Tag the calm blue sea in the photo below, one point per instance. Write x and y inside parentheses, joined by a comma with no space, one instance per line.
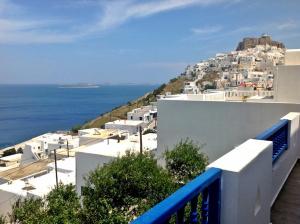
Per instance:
(30,110)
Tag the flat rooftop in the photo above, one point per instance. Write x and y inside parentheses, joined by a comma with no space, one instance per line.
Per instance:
(126,122)
(113,148)
(98,133)
(26,170)
(11,158)
(38,186)
(65,165)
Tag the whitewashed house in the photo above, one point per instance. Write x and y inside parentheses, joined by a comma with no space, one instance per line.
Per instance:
(36,185)
(131,126)
(90,157)
(145,114)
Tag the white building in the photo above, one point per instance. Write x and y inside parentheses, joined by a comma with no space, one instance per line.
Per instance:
(46,143)
(207,95)
(131,126)
(32,151)
(9,162)
(191,87)
(37,185)
(53,141)
(90,157)
(145,114)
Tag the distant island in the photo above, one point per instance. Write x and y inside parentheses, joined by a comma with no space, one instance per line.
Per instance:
(80,85)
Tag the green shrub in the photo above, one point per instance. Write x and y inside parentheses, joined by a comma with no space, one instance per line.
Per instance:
(128,186)
(9,152)
(76,128)
(185,161)
(149,131)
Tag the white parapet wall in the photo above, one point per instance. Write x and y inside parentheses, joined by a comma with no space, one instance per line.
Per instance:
(251,181)
(246,183)
(220,126)
(286,162)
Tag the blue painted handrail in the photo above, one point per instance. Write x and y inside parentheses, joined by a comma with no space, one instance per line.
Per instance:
(278,134)
(206,184)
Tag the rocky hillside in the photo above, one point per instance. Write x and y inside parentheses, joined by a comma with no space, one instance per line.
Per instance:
(174,86)
(251,42)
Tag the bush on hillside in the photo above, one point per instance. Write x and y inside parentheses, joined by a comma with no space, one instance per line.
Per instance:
(76,128)
(9,152)
(185,161)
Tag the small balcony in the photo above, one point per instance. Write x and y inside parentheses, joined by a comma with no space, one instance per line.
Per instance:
(256,182)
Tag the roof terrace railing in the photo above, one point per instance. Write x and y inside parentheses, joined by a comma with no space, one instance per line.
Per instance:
(206,185)
(278,134)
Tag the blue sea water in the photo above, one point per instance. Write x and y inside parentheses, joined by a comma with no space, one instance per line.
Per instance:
(30,110)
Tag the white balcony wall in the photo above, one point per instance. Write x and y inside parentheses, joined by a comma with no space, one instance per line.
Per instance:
(246,183)
(250,182)
(221,126)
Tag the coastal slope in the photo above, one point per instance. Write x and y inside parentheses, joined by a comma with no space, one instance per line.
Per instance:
(174,86)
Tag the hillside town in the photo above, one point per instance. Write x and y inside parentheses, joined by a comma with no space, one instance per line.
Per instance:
(227,91)
(250,67)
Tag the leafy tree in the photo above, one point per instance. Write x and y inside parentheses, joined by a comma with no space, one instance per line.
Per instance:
(61,205)
(185,161)
(28,211)
(126,187)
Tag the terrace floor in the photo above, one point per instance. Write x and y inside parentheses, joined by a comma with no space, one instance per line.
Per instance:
(286,208)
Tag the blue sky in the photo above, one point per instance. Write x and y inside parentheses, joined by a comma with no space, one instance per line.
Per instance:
(129,41)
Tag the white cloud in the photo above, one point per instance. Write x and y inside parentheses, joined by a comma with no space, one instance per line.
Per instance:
(291,24)
(16,27)
(118,12)
(206,30)
(34,31)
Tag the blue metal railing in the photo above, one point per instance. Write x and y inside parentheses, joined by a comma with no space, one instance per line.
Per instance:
(278,134)
(207,185)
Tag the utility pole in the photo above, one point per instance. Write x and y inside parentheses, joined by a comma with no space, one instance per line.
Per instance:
(55,162)
(68,148)
(141,140)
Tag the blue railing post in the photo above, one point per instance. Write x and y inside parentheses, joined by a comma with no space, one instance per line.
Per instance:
(204,207)
(207,185)
(278,134)
(180,216)
(194,212)
(214,202)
